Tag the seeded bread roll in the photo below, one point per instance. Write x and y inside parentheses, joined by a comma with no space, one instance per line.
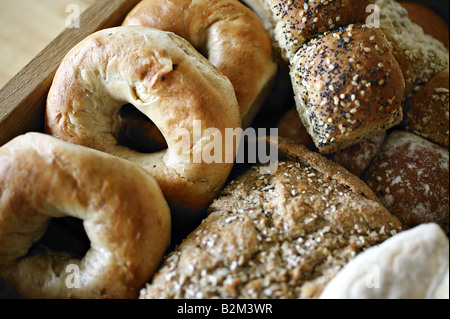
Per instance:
(427,110)
(348,87)
(295,22)
(326,45)
(283,235)
(410,175)
(355,159)
(292,128)
(411,265)
(420,55)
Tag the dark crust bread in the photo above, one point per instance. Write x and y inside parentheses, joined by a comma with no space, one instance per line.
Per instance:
(410,175)
(283,235)
(428,110)
(431,23)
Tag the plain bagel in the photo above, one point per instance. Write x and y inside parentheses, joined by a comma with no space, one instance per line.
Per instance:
(165,78)
(123,210)
(228,33)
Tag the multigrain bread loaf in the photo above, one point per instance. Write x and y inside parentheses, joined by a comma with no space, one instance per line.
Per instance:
(427,112)
(411,265)
(347,84)
(420,55)
(284,235)
(355,159)
(410,175)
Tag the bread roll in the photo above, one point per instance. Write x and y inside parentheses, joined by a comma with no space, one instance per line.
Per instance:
(410,175)
(347,84)
(283,235)
(428,109)
(420,55)
(411,265)
(431,23)
(348,87)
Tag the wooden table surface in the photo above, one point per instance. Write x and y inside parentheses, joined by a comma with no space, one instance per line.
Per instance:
(28,26)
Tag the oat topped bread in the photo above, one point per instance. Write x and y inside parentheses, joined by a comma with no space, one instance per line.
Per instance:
(284,235)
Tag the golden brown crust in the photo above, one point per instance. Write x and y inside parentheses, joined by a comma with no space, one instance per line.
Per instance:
(164,77)
(283,235)
(412,265)
(123,210)
(431,23)
(348,87)
(410,175)
(428,110)
(228,33)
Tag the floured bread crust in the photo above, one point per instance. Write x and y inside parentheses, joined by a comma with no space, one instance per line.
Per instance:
(410,175)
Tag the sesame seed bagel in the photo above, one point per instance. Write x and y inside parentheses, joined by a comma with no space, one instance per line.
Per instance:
(123,210)
(348,87)
(166,79)
(228,33)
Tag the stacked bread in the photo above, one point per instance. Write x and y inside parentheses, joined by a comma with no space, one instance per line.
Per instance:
(371,102)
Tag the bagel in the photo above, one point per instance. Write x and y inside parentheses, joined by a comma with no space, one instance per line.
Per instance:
(228,33)
(123,210)
(165,78)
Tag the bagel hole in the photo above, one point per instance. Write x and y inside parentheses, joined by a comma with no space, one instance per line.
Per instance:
(66,235)
(138,132)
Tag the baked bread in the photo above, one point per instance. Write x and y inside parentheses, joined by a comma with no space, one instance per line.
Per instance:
(411,265)
(355,159)
(291,127)
(138,132)
(410,175)
(348,87)
(283,235)
(293,23)
(427,110)
(165,78)
(347,84)
(431,23)
(228,33)
(123,210)
(420,55)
